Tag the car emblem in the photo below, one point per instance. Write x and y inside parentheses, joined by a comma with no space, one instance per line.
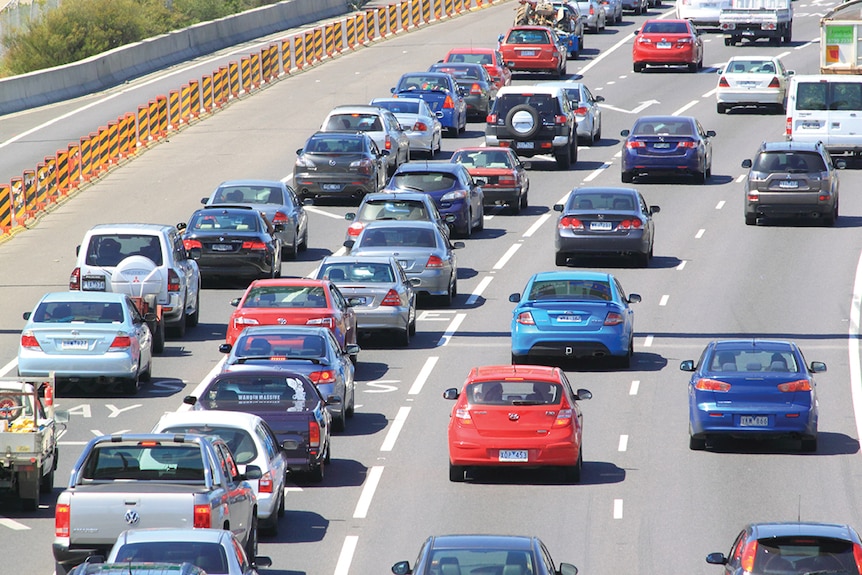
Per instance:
(332,162)
(221,238)
(787,176)
(600,216)
(281,321)
(514,417)
(132,517)
(75,332)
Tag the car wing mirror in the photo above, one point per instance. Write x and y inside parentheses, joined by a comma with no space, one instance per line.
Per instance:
(710,133)
(204,201)
(583,394)
(451,393)
(234,302)
(26,314)
(350,216)
(716,559)
(558,207)
(225,348)
(402,568)
(746,163)
(840,164)
(687,365)
(181,226)
(352,349)
(458,245)
(515,297)
(598,98)
(625,133)
(449,218)
(414,281)
(817,367)
(568,569)
(261,561)
(634,298)
(190,400)
(252,472)
(334,400)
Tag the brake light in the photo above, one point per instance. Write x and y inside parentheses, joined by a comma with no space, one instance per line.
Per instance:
(613,318)
(325,376)
(189,244)
(121,341)
(61,520)
(564,418)
(644,40)
(723,83)
(241,320)
(391,298)
(506,181)
(448,103)
(686,144)
(463,416)
(592,10)
(788,126)
(798,385)
(684,40)
(748,555)
(707,384)
(355,229)
(202,517)
(29,341)
(857,556)
(253,246)
(581,111)
(313,434)
(525,318)
(491,119)
(420,127)
(753,196)
(635,144)
(264,484)
(475,89)
(570,222)
(774,83)
(324,321)
(434,262)
(634,224)
(364,166)
(560,120)
(279,218)
(173,281)
(75,279)
(388,144)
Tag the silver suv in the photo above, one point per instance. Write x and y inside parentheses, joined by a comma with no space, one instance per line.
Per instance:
(790,180)
(106,245)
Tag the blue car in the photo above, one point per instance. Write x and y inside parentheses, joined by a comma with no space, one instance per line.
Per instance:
(451,186)
(572,315)
(752,388)
(675,145)
(442,94)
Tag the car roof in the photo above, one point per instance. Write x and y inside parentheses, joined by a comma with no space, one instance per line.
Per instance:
(572,275)
(664,119)
(424,224)
(223,418)
(779,529)
(277,282)
(605,190)
(427,73)
(456,65)
(510,542)
(535,89)
(356,109)
(486,372)
(156,228)
(85,296)
(251,182)
(754,57)
(181,534)
(526,27)
(481,149)
(398,195)
(429,166)
(752,342)
(347,133)
(356,259)
(566,84)
(471,50)
(790,145)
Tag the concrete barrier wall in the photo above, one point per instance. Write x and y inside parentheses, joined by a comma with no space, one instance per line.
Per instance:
(121,64)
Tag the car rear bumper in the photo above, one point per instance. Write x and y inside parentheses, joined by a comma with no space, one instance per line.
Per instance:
(245,266)
(664,57)
(381,318)
(487,453)
(109,366)
(431,282)
(717,421)
(751,97)
(687,163)
(634,242)
(499,195)
(608,341)
(789,210)
(334,187)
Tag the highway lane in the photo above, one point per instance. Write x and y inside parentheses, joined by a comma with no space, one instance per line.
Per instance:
(712,277)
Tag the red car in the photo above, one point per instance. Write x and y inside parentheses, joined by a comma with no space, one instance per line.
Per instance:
(294,301)
(490,58)
(533,49)
(505,176)
(667,43)
(516,416)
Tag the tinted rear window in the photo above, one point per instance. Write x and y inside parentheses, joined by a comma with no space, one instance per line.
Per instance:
(392,210)
(543,103)
(145,461)
(790,161)
(79,312)
(391,237)
(248,195)
(601,201)
(665,28)
(235,221)
(239,440)
(286,297)
(110,249)
(514,393)
(264,393)
(358,272)
(402,106)
(334,145)
(425,181)
(786,555)
(571,290)
(663,128)
(208,556)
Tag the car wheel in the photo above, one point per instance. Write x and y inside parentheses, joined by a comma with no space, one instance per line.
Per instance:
(829,220)
(129,386)
(750,219)
(564,157)
(403,337)
(46,483)
(480,226)
(467,232)
(339,423)
(809,444)
(637,67)
(281,505)
(30,503)
(561,259)
(721,108)
(316,475)
(193,318)
(251,543)
(728,42)
(159,337)
(581,43)
(597,137)
(573,149)
(525,200)
(780,109)
(625,361)
(270,526)
(700,177)
(447,297)
(289,252)
(573,472)
(457,473)
(412,327)
(515,206)
(696,443)
(178,330)
(627,177)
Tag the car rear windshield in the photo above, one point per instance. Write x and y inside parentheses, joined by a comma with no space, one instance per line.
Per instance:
(483,159)
(355,122)
(392,210)
(748,360)
(423,83)
(470,58)
(358,273)
(543,103)
(829,96)
(570,290)
(601,201)
(226,221)
(425,181)
(663,128)
(145,461)
(210,557)
(528,37)
(107,250)
(248,195)
(522,392)
(750,67)
(402,237)
(261,393)
(281,346)
(460,72)
(286,297)
(402,106)
(79,312)
(665,28)
(804,554)
(790,161)
(239,440)
(485,560)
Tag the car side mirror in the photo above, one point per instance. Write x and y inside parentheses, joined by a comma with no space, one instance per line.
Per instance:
(26,314)
(352,349)
(654,210)
(746,163)
(515,297)
(414,281)
(458,245)
(634,298)
(62,416)
(480,181)
(625,133)
(710,133)
(190,400)
(278,228)
(234,302)
(687,365)
(840,164)
(349,244)
(449,218)
(817,367)
(583,394)
(299,152)
(334,400)
(77,250)
(391,90)
(150,316)
(308,202)
(355,301)
(261,561)
(568,569)
(204,201)
(181,226)
(252,472)
(716,559)
(402,568)
(225,348)
(598,98)
(349,216)
(558,207)
(451,393)
(791,72)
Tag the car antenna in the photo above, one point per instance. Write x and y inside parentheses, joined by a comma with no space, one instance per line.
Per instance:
(799,510)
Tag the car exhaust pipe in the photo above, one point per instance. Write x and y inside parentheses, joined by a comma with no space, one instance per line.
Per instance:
(599,354)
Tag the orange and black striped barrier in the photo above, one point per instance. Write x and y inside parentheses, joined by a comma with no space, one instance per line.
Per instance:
(318,44)
(161,115)
(63,182)
(143,122)
(286,55)
(5,208)
(128,135)
(266,65)
(207,93)
(113,142)
(41,199)
(350,24)
(195,98)
(29,208)
(392,26)
(174,109)
(245,72)
(75,165)
(104,157)
(53,187)
(233,78)
(19,201)
(86,158)
(308,47)
(255,70)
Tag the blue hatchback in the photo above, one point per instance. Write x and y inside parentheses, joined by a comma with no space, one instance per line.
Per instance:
(675,145)
(573,314)
(752,388)
(442,94)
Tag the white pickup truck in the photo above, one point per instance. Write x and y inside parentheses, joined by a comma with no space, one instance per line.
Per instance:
(753,19)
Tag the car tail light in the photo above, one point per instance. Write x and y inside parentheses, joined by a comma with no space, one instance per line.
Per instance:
(475,89)
(506,181)
(75,279)
(264,484)
(324,321)
(633,224)
(305,163)
(525,318)
(753,196)
(420,127)
(644,40)
(202,517)
(613,318)
(635,144)
(798,385)
(323,376)
(723,83)
(564,418)
(491,118)
(788,126)
(253,246)
(121,341)
(592,10)
(463,416)
(748,555)
(686,144)
(392,298)
(355,229)
(388,143)
(684,40)
(570,222)
(857,556)
(706,384)
(61,520)
(313,434)
(363,166)
(242,320)
(189,244)
(581,111)
(434,262)
(560,120)
(448,103)
(279,218)
(173,281)
(774,83)
(28,340)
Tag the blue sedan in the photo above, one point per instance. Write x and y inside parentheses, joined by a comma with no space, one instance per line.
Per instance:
(675,145)
(442,94)
(752,388)
(573,314)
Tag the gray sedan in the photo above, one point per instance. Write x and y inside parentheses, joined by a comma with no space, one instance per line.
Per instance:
(420,248)
(277,201)
(378,290)
(418,121)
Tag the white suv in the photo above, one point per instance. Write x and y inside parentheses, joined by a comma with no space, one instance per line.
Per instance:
(106,245)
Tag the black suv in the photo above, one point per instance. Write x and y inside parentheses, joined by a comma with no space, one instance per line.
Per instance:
(534,120)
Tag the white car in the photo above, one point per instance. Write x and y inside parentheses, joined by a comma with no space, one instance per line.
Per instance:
(752,81)
(379,123)
(418,121)
(704,13)
(585,106)
(252,442)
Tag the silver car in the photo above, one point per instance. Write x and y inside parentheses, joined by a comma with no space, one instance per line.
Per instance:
(378,290)
(594,14)
(613,10)
(379,123)
(586,107)
(277,201)
(418,121)
(97,337)
(423,251)
(216,551)
(396,206)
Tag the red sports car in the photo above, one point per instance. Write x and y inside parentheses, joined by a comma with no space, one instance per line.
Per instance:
(294,301)
(504,174)
(533,49)
(490,58)
(667,43)
(516,415)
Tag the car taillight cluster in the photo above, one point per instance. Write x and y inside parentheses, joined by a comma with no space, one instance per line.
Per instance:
(632,224)
(581,111)
(323,376)
(686,144)
(264,484)
(363,166)
(706,384)
(189,244)
(355,229)
(314,435)
(475,89)
(391,298)
(613,318)
(748,555)
(560,120)
(857,557)
(434,262)
(241,320)
(798,385)
(121,342)
(61,520)
(75,279)
(570,222)
(506,181)
(592,10)
(491,118)
(420,127)
(388,143)
(253,245)
(723,83)
(324,321)
(173,281)
(202,517)
(279,218)
(564,417)
(644,40)
(525,318)
(774,83)
(28,340)
(448,103)
(635,144)
(463,416)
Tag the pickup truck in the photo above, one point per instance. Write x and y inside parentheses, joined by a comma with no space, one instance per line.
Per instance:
(151,480)
(28,437)
(753,19)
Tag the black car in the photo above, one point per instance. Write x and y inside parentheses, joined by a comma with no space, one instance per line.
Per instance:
(792,548)
(501,554)
(234,242)
(478,88)
(339,165)
(289,403)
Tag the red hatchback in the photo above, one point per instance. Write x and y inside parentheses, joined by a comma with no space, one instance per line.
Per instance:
(516,416)
(294,301)
(667,43)
(533,49)
(490,58)
(504,174)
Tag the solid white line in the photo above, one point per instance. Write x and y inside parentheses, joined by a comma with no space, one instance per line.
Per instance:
(450,331)
(719,205)
(686,107)
(663,300)
(479,289)
(699,234)
(681,265)
(345,558)
(648,341)
(426,370)
(542,219)
(618,508)
(633,390)
(367,494)
(392,434)
(197,391)
(624,442)
(323,213)
(12,524)
(597,171)
(506,257)
(8,367)
(853,348)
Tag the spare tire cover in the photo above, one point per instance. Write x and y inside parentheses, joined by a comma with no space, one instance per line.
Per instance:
(136,276)
(523,122)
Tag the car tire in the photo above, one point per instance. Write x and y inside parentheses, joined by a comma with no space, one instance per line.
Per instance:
(696,443)
(750,219)
(159,337)
(178,330)
(700,177)
(403,337)
(572,473)
(581,43)
(193,318)
(317,474)
(525,200)
(303,245)
(809,444)
(564,157)
(561,259)
(340,423)
(637,67)
(480,226)
(129,386)
(721,108)
(251,542)
(60,569)
(534,114)
(457,473)
(446,299)
(46,483)
(597,137)
(467,232)
(625,361)
(412,327)
(270,526)
(692,67)
(728,41)
(627,177)
(30,503)
(780,109)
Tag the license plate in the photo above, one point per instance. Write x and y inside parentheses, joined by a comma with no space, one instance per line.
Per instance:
(74,344)
(332,187)
(811,125)
(661,146)
(753,420)
(96,283)
(513,455)
(527,52)
(601,226)
(746,84)
(524,145)
(358,300)
(222,247)
(663,45)
(568,318)
(788,184)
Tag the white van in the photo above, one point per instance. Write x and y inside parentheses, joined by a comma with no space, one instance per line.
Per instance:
(703,13)
(826,108)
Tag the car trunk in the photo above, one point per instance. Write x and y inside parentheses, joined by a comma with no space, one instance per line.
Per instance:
(75,340)
(569,317)
(495,421)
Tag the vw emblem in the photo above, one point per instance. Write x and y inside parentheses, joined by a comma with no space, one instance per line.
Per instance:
(281,321)
(514,417)
(332,162)
(132,517)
